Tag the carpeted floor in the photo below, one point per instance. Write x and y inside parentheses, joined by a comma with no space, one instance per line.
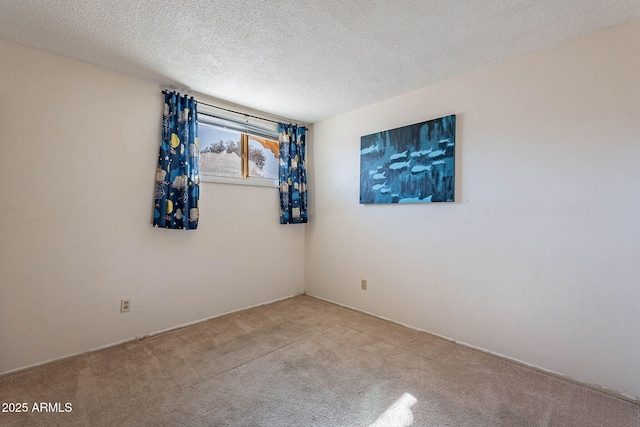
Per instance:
(302,362)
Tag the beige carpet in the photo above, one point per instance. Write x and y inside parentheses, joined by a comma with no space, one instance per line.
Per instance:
(302,362)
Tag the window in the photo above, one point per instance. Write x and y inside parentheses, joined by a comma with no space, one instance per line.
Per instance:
(231,153)
(263,157)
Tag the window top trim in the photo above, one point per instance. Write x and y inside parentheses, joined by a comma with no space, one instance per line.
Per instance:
(237,125)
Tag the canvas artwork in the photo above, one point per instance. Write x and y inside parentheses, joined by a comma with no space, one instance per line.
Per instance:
(410,164)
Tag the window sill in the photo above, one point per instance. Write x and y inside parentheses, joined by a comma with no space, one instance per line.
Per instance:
(255,182)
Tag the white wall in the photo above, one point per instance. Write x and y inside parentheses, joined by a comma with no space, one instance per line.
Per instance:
(538,258)
(78,151)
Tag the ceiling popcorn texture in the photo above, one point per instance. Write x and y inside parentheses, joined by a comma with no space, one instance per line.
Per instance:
(302,59)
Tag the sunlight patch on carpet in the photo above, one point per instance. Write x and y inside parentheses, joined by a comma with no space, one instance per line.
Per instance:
(398,414)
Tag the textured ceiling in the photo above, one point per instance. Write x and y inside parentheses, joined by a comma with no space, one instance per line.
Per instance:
(301,59)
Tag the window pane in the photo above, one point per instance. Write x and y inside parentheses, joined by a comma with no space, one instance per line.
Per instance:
(263,158)
(220,152)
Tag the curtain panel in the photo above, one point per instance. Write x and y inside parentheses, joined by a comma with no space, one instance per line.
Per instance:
(293,174)
(176,204)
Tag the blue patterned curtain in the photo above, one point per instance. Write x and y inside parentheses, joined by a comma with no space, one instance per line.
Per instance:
(177,177)
(293,174)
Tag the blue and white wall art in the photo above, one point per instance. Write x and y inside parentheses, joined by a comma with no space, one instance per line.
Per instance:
(410,164)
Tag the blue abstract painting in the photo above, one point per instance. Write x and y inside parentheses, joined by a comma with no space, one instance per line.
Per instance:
(410,164)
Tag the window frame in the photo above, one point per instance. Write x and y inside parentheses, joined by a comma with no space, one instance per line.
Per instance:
(244,131)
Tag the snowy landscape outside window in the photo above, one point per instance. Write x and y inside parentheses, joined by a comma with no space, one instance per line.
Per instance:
(230,156)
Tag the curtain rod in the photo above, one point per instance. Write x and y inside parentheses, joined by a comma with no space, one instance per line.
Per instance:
(235,112)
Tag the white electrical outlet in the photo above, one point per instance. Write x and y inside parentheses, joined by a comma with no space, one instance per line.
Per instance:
(125,306)
(363,284)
